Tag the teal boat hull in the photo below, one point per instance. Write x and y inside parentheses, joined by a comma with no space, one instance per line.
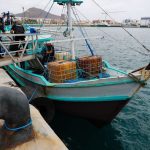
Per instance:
(97,101)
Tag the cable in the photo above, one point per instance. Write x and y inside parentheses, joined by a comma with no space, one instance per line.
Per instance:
(40,14)
(29,123)
(97,29)
(82,32)
(122,27)
(59,26)
(145,54)
(47,14)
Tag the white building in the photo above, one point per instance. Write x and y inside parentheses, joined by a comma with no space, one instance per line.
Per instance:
(145,22)
(131,23)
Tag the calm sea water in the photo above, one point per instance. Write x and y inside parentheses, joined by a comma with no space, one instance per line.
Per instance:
(130,130)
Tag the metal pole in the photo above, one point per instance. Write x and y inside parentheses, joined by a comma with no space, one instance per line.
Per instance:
(70,29)
(23,14)
(24,49)
(7,51)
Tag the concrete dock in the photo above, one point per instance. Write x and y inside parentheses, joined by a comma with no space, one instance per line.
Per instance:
(45,138)
(6,80)
(7,60)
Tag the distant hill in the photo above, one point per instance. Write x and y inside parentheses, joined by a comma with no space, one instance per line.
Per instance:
(37,13)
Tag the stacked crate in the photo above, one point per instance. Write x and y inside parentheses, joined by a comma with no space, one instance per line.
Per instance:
(61,71)
(63,55)
(90,66)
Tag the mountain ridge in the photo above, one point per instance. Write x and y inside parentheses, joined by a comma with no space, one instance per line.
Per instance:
(37,13)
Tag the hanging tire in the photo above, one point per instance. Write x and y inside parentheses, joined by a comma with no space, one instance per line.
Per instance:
(46,107)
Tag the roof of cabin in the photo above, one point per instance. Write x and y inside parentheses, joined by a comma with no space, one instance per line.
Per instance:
(73,2)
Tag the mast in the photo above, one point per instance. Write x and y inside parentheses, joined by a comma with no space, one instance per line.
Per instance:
(69,4)
(70,28)
(23,15)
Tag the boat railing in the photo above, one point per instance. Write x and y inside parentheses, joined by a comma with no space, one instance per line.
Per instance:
(8,56)
(30,43)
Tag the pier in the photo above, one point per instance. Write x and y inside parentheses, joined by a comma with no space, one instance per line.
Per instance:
(45,137)
(7,60)
(6,80)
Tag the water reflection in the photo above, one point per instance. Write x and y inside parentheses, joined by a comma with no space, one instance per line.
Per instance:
(79,134)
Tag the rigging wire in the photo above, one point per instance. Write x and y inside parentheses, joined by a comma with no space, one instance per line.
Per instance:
(59,25)
(122,27)
(83,33)
(42,11)
(88,44)
(145,54)
(37,4)
(97,29)
(46,15)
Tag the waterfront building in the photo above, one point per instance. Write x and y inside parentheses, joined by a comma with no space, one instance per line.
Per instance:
(131,23)
(145,22)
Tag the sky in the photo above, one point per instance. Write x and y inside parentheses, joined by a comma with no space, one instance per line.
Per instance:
(117,9)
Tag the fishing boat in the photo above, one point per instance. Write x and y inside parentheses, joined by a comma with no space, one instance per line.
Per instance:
(8,19)
(97,97)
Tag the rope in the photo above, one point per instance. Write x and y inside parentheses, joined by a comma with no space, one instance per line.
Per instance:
(142,83)
(145,54)
(29,123)
(40,14)
(30,99)
(88,45)
(136,40)
(47,14)
(59,26)
(122,27)
(96,28)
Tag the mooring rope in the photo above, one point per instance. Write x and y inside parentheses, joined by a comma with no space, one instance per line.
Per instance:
(29,123)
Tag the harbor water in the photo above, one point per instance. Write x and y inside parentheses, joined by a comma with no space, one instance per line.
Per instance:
(130,130)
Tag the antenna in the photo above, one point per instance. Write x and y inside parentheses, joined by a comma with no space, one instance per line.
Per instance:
(111,13)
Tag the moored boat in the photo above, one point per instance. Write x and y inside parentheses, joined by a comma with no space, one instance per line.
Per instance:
(98,100)
(93,90)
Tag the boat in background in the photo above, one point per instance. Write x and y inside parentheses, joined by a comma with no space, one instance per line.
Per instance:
(8,19)
(87,87)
